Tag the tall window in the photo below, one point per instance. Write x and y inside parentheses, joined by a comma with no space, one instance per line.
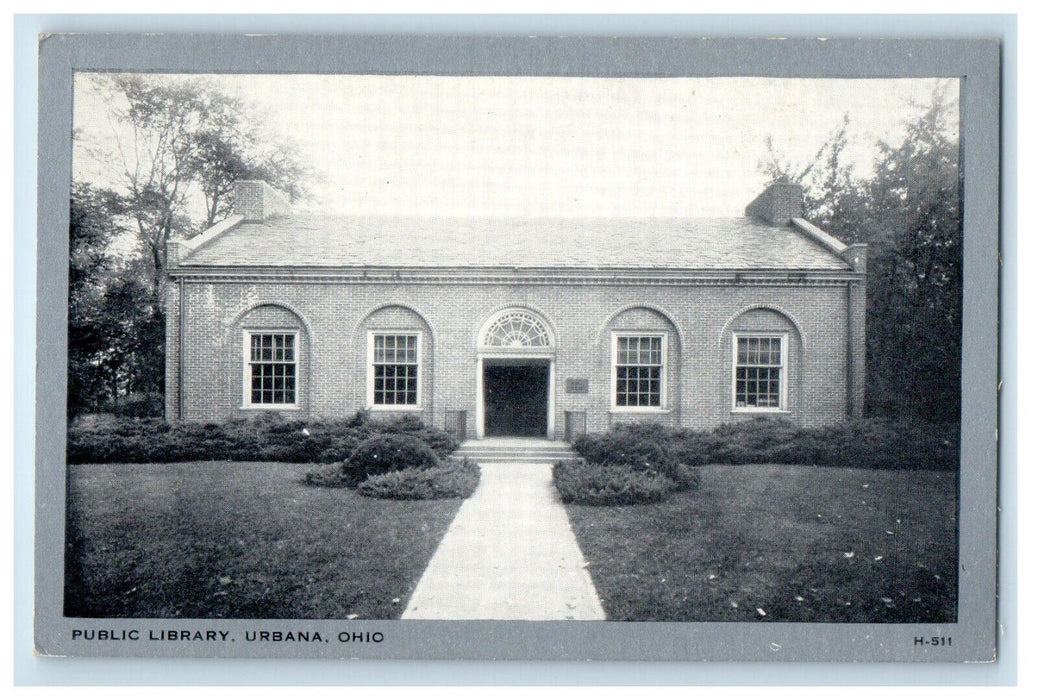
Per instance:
(638,363)
(395,361)
(760,369)
(270,371)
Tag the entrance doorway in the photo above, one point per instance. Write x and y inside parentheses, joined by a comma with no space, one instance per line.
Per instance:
(515,397)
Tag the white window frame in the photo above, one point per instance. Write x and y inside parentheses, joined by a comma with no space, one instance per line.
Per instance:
(246,383)
(370,372)
(664,337)
(783,406)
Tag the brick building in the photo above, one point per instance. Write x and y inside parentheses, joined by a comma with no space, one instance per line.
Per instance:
(512,326)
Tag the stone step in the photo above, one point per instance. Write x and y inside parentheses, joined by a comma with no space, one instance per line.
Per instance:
(560,455)
(516,450)
(526,454)
(517,455)
(509,451)
(496,459)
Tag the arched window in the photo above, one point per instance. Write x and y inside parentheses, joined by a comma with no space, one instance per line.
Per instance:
(644,360)
(398,373)
(516,328)
(765,346)
(273,356)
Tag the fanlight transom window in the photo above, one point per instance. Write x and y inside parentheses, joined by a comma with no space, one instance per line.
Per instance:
(517,329)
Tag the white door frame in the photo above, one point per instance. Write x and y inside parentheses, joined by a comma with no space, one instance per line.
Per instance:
(480,406)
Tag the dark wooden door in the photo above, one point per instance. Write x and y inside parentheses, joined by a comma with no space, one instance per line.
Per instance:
(515,400)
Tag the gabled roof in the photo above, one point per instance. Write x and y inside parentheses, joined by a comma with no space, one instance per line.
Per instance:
(323,241)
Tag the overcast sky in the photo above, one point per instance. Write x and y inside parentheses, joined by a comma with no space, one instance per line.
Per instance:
(459,146)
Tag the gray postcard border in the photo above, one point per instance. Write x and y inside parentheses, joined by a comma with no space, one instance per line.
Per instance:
(977,60)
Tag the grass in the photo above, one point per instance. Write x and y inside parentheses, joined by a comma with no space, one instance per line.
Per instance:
(241,540)
(780,543)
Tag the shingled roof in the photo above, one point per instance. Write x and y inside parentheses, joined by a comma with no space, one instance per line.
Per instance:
(254,239)
(323,241)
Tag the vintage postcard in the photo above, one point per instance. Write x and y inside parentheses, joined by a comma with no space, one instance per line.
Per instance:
(511,349)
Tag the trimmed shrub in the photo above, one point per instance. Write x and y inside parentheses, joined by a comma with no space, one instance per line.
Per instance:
(590,484)
(648,448)
(685,477)
(388,452)
(457,479)
(325,475)
(441,442)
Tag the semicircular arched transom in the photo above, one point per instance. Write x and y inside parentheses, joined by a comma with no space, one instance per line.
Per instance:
(517,329)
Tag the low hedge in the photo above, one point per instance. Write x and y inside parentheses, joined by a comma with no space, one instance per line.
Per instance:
(585,483)
(455,479)
(866,443)
(265,437)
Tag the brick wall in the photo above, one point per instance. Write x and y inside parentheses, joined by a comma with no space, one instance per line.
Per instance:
(335,318)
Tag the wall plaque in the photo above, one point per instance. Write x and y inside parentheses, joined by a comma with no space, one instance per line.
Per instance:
(576,386)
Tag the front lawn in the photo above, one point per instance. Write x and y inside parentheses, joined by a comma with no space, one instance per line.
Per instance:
(240,540)
(780,543)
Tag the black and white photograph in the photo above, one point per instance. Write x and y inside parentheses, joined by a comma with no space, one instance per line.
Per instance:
(383,348)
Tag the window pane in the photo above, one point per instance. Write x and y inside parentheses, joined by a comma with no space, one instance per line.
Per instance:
(395,349)
(638,386)
(396,384)
(621,351)
(639,367)
(762,351)
(272,368)
(758,372)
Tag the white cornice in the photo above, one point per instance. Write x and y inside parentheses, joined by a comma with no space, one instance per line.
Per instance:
(557,277)
(211,233)
(819,236)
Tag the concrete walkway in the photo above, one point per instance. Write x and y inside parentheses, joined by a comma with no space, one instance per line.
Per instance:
(509,555)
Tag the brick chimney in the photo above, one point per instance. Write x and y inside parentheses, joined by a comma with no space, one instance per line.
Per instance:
(255,200)
(778,204)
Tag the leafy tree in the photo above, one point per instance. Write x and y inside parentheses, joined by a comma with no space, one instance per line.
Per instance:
(115,336)
(908,211)
(178,141)
(224,155)
(175,149)
(913,219)
(155,149)
(831,193)
(93,215)
(134,358)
